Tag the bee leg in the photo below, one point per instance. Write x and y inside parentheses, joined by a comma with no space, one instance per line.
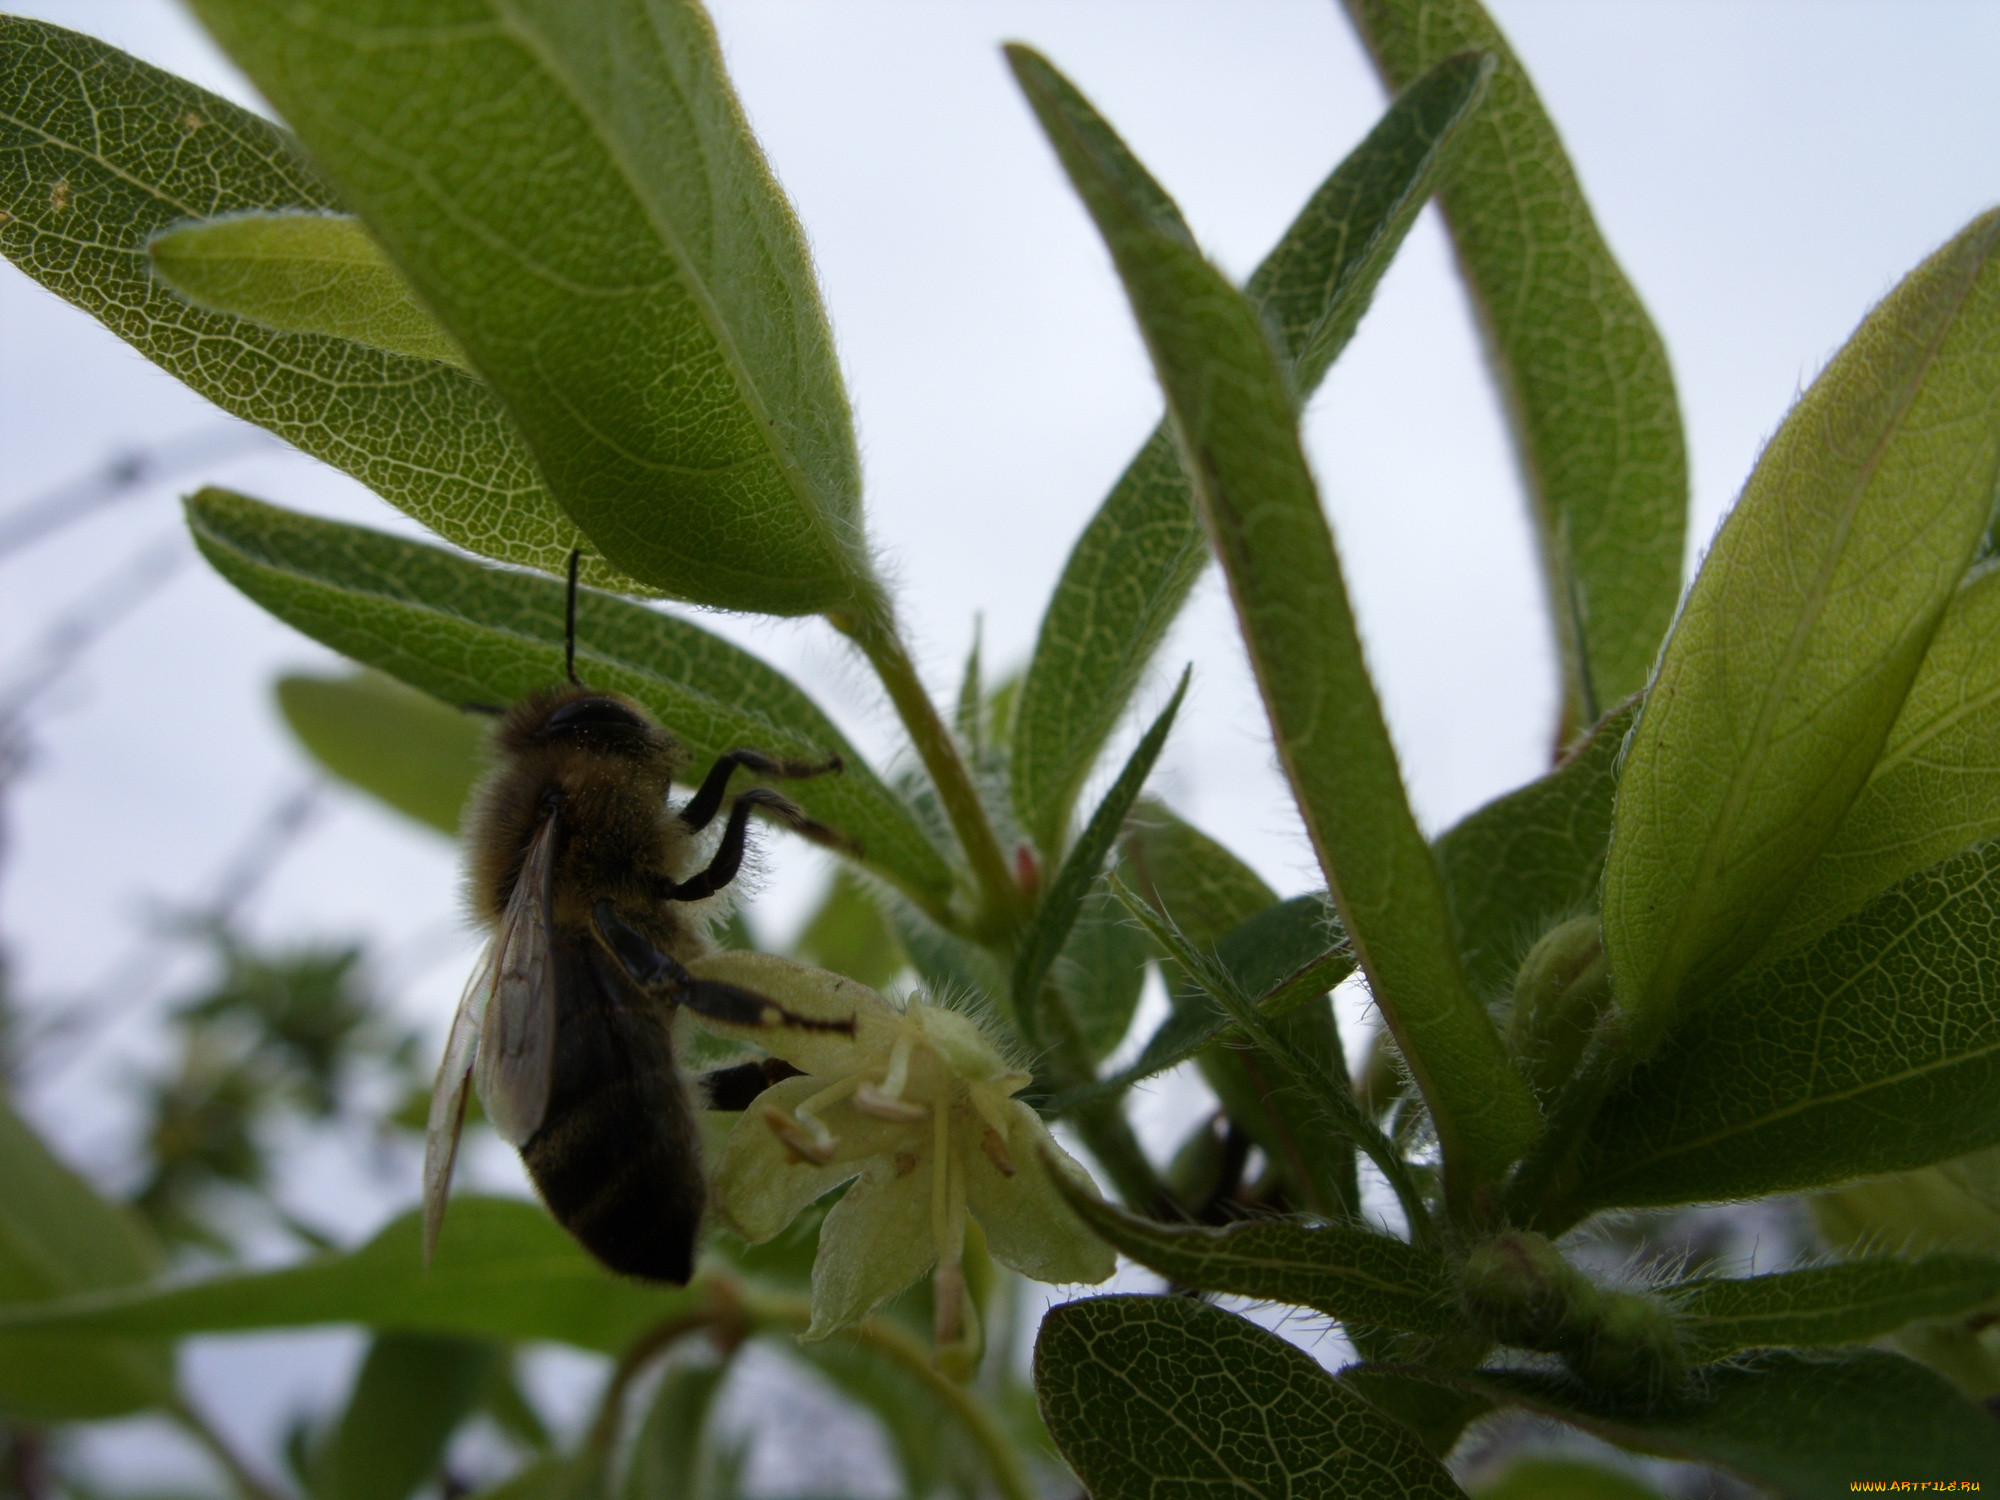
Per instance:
(729,853)
(662,974)
(735,1089)
(707,801)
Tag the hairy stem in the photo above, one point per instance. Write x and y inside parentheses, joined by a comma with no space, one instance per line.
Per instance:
(722,1309)
(1535,1197)
(874,631)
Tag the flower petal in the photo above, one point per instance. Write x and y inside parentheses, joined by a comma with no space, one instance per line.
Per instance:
(758,1187)
(1028,1225)
(814,994)
(876,1241)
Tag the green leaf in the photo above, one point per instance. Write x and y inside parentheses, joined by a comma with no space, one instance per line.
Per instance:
(668,1459)
(1235,421)
(1800,638)
(1583,374)
(98,151)
(1809,1425)
(1564,1479)
(1206,889)
(1527,860)
(1874,1050)
(1952,1206)
(1049,928)
(1935,789)
(1197,1021)
(1131,570)
(574,193)
(1101,970)
(409,1396)
(850,935)
(59,1238)
(1218,903)
(1838,1304)
(400,746)
(1322,1080)
(469,634)
(1151,1396)
(1279,957)
(1288,953)
(503,1270)
(300,273)
(1349,1274)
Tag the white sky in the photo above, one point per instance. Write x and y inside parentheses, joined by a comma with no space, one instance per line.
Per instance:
(1766,169)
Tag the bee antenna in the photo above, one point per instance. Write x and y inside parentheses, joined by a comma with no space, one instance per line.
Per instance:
(569,616)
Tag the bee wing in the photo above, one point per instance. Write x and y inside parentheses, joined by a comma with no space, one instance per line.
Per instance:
(447,1117)
(517,1042)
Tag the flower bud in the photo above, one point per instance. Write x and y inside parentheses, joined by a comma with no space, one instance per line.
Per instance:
(1563,986)
(1519,1290)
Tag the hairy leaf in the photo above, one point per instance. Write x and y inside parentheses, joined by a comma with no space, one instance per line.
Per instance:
(574,193)
(1235,422)
(1582,371)
(1212,896)
(468,634)
(1873,1050)
(503,1270)
(850,935)
(1936,788)
(300,273)
(1529,859)
(58,1238)
(1809,1425)
(1152,1396)
(398,745)
(1326,1090)
(1049,928)
(411,1392)
(1349,1274)
(1130,572)
(98,151)
(1839,1304)
(1800,639)
(1101,971)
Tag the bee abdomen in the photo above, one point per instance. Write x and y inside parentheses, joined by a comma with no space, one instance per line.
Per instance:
(618,1155)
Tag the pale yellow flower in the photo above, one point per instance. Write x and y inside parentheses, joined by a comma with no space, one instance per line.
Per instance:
(917,1103)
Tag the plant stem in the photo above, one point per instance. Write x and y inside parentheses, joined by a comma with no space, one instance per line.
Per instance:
(248,1484)
(642,1351)
(1002,1460)
(873,629)
(1535,1196)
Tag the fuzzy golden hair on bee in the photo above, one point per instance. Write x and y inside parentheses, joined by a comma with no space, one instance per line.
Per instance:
(601,759)
(598,890)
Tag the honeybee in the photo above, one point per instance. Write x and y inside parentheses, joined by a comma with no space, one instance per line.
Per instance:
(581,868)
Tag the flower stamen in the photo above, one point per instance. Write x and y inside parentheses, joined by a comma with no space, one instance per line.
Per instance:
(898,1076)
(872,1101)
(799,1146)
(996,1151)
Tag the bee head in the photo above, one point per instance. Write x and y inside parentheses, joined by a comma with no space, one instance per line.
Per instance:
(586,719)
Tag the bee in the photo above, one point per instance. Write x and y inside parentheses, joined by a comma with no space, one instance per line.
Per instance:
(581,868)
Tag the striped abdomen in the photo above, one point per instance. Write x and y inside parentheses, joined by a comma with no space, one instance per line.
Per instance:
(618,1156)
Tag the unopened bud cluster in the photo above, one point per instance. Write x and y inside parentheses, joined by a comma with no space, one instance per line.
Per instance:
(1518,1290)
